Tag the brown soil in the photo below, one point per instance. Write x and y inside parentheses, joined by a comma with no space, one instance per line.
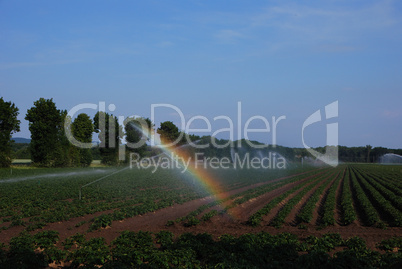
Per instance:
(271,215)
(245,210)
(291,218)
(359,215)
(317,213)
(152,219)
(338,196)
(218,225)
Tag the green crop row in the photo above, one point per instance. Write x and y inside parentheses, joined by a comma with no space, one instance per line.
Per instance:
(256,218)
(253,193)
(391,196)
(383,203)
(162,250)
(284,212)
(349,214)
(245,196)
(368,209)
(306,214)
(330,202)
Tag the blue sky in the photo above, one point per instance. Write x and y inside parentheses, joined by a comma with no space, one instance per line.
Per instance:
(278,58)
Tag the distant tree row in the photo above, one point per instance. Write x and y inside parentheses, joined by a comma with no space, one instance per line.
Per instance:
(50,146)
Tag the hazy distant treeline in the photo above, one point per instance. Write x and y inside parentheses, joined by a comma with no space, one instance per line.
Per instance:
(346,154)
(51,147)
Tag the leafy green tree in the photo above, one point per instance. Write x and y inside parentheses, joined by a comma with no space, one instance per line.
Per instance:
(138,131)
(368,149)
(63,148)
(109,134)
(82,129)
(45,124)
(169,133)
(8,125)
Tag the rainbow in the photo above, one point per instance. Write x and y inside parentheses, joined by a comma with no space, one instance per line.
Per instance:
(201,175)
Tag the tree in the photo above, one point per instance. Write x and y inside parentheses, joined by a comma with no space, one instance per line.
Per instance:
(368,148)
(169,133)
(82,129)
(109,134)
(63,148)
(45,122)
(138,131)
(8,125)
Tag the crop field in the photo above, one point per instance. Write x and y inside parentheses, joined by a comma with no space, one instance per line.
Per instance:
(66,212)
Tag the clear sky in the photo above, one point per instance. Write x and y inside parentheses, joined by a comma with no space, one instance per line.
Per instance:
(278,58)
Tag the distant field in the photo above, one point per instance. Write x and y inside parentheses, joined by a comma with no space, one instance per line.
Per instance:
(28,161)
(21,161)
(352,200)
(369,195)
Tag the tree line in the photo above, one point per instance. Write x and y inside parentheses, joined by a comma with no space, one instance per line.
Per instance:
(50,146)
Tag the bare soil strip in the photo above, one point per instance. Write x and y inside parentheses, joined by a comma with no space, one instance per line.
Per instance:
(243,211)
(318,212)
(338,196)
(147,221)
(291,218)
(359,213)
(217,226)
(272,214)
(381,213)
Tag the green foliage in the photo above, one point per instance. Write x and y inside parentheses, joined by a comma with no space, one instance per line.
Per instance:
(35,226)
(392,244)
(138,132)
(314,259)
(8,125)
(110,133)
(349,214)
(102,221)
(132,248)
(46,241)
(370,213)
(138,250)
(209,215)
(306,214)
(169,133)
(284,212)
(45,121)
(249,194)
(257,217)
(192,221)
(93,252)
(330,203)
(21,253)
(325,243)
(82,130)
(164,238)
(17,222)
(381,202)
(20,151)
(75,240)
(49,145)
(383,190)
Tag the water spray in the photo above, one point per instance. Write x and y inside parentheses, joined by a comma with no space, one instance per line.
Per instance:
(99,179)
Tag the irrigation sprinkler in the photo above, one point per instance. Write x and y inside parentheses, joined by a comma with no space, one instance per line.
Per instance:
(99,179)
